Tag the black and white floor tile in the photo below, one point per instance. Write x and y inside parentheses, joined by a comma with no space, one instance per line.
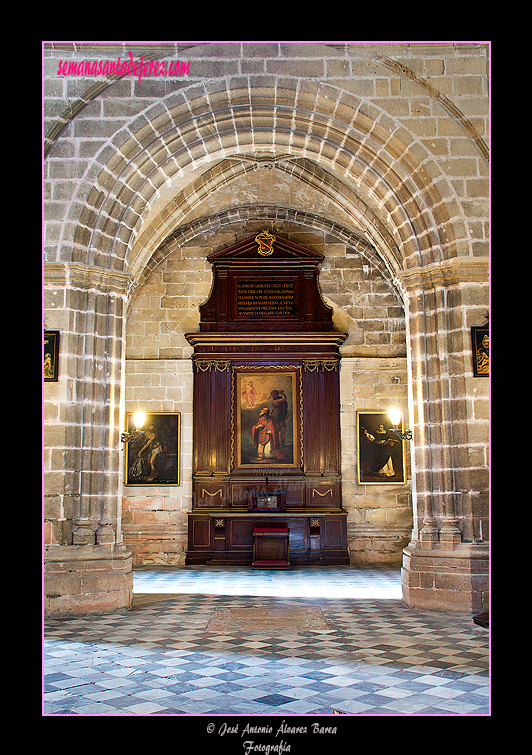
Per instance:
(372,655)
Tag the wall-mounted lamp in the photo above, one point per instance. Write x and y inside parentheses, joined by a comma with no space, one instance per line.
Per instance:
(138,419)
(395,418)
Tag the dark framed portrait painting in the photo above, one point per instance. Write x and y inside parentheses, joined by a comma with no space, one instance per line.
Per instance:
(266,416)
(381,455)
(153,457)
(480,342)
(51,356)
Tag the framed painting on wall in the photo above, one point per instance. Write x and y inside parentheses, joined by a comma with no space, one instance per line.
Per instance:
(153,458)
(480,341)
(381,455)
(266,417)
(51,356)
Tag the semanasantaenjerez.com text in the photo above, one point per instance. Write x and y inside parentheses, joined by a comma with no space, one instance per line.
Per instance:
(125,67)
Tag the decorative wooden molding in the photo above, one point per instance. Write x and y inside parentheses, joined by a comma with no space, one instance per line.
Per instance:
(257,342)
(266,284)
(206,365)
(322,495)
(212,495)
(315,365)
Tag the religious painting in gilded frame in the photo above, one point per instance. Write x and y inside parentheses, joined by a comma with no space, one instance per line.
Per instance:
(51,356)
(480,340)
(381,455)
(153,458)
(266,417)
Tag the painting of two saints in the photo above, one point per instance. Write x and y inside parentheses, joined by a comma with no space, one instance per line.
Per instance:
(266,418)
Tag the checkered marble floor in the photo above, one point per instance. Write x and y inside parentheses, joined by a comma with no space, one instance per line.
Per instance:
(371,656)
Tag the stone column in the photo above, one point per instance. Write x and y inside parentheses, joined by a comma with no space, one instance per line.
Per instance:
(445,565)
(87,568)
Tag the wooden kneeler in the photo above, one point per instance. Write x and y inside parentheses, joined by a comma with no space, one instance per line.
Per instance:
(270,548)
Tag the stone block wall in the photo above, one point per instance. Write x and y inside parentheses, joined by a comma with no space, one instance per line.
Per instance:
(154,518)
(379,522)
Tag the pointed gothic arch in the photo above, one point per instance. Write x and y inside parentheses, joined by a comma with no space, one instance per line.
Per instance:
(172,138)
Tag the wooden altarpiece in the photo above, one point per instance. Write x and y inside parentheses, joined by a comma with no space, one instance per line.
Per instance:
(266,409)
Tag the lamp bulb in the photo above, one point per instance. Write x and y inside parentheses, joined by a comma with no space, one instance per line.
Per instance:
(395,416)
(138,419)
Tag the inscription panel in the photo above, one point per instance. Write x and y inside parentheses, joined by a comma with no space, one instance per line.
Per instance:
(265,298)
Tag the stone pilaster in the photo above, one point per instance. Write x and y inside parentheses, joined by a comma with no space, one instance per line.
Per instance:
(443,580)
(88,569)
(81,579)
(445,566)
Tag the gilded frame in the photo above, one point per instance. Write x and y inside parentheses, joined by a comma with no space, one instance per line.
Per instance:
(481,351)
(51,356)
(381,455)
(266,401)
(158,463)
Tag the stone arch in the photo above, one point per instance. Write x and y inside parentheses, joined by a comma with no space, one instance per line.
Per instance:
(372,235)
(267,214)
(192,129)
(355,148)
